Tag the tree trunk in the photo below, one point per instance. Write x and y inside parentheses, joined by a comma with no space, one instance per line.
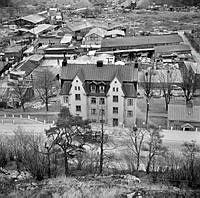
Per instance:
(23,107)
(147,114)
(101,146)
(49,165)
(66,165)
(138,162)
(46,104)
(148,166)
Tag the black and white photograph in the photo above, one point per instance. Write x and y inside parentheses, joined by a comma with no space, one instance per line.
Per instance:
(99,98)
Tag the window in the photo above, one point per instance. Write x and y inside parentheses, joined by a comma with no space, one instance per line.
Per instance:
(93,111)
(117,89)
(75,87)
(102,112)
(78,108)
(79,88)
(93,100)
(102,101)
(129,114)
(66,99)
(113,88)
(115,122)
(115,98)
(130,102)
(115,110)
(77,97)
(101,89)
(93,88)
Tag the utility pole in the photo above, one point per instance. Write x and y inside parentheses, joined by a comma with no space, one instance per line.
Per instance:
(101,144)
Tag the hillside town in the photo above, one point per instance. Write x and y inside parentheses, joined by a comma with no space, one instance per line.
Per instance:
(108,64)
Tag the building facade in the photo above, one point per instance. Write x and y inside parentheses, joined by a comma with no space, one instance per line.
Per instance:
(101,93)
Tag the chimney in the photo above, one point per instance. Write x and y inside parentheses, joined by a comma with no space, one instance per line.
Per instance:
(64,63)
(99,63)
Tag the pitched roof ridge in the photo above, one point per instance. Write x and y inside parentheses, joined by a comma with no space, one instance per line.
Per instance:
(80,74)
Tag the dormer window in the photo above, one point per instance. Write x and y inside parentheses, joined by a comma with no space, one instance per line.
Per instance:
(93,88)
(101,89)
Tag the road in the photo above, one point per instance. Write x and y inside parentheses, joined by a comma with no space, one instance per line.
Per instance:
(195,54)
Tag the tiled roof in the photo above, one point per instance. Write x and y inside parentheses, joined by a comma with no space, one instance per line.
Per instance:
(141,40)
(33,18)
(129,90)
(65,88)
(30,64)
(105,73)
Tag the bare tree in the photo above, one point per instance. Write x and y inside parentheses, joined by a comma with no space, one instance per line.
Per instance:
(190,151)
(166,83)
(19,91)
(44,84)
(189,84)
(147,87)
(136,142)
(153,146)
(70,134)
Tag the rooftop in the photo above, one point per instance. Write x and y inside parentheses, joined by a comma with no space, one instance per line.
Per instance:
(172,48)
(80,26)
(40,28)
(98,31)
(33,18)
(141,40)
(105,73)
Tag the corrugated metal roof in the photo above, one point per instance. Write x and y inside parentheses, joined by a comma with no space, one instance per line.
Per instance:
(172,48)
(141,40)
(98,31)
(40,28)
(33,18)
(115,32)
(181,112)
(66,39)
(83,25)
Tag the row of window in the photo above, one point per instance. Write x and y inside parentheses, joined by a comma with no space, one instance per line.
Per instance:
(93,89)
(77,88)
(94,112)
(102,111)
(101,100)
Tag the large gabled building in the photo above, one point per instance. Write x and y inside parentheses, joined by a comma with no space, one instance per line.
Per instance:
(100,92)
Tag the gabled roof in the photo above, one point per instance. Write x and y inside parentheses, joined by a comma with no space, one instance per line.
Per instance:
(129,90)
(98,31)
(33,18)
(30,64)
(106,73)
(80,75)
(66,88)
(188,125)
(115,32)
(78,27)
(141,40)
(40,28)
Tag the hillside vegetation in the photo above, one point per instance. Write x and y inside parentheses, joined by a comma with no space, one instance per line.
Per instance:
(177,3)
